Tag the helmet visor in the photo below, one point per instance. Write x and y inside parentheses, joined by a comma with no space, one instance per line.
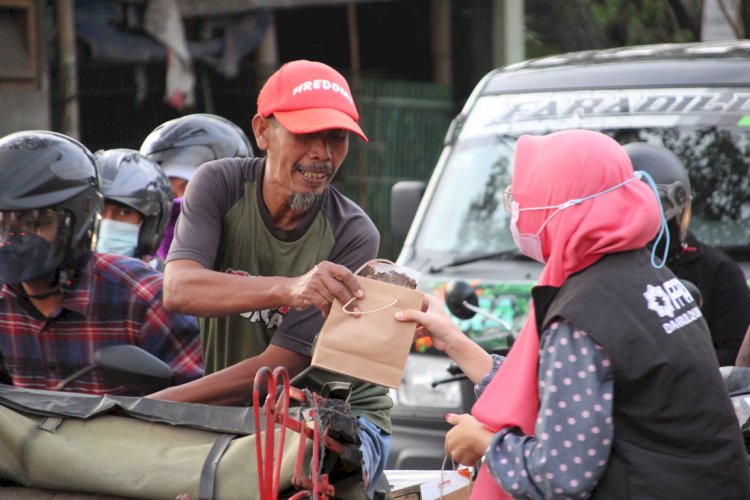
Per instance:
(182,162)
(32,243)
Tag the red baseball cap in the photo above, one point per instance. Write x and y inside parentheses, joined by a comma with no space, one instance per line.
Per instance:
(308,96)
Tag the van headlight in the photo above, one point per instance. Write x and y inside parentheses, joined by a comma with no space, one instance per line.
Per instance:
(416,384)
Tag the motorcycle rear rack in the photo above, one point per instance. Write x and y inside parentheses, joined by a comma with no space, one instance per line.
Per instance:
(316,485)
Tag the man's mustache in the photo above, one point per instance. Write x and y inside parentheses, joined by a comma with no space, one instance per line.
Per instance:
(315,168)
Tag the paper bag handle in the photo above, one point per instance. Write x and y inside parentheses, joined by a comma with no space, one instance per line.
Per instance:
(395,300)
(442,475)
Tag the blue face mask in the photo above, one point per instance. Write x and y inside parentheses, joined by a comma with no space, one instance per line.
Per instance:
(117,237)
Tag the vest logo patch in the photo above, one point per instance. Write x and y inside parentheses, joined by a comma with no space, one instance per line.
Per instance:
(672,300)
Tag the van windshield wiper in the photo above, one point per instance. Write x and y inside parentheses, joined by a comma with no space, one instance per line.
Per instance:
(468,259)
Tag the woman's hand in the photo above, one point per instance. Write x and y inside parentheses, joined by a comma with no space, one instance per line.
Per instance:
(467,441)
(434,322)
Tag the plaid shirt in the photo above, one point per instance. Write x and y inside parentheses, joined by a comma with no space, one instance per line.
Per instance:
(114,300)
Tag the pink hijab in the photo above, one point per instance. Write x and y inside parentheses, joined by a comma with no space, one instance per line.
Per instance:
(550,170)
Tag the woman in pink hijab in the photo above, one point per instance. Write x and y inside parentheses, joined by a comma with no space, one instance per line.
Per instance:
(612,388)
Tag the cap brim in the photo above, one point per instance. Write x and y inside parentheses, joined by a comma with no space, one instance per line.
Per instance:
(305,121)
(180,171)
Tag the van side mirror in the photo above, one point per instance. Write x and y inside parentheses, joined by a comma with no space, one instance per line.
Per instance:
(459,296)
(462,302)
(405,198)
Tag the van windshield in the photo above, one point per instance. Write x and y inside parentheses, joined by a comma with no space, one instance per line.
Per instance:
(474,179)
(714,147)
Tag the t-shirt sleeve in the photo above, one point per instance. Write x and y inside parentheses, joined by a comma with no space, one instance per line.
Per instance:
(213,190)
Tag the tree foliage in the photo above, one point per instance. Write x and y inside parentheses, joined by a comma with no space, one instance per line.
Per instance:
(628,22)
(554,27)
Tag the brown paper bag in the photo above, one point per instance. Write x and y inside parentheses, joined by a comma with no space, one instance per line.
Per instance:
(373,346)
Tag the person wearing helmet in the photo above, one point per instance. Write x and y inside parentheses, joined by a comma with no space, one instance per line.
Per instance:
(720,280)
(137,205)
(263,246)
(183,144)
(59,301)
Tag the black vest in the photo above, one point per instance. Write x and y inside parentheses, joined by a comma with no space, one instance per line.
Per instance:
(676,434)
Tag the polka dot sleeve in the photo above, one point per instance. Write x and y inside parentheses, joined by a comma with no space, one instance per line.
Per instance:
(497,361)
(573,433)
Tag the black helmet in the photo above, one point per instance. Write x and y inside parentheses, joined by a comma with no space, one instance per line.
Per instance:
(45,174)
(129,178)
(671,179)
(181,145)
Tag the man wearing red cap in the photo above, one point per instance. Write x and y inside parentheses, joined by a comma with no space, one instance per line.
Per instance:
(264,245)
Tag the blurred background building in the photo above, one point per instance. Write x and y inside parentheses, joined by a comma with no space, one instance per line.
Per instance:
(108,71)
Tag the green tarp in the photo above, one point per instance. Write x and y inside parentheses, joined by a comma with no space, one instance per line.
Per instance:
(131,447)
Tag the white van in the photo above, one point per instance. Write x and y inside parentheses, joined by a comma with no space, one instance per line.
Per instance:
(692,98)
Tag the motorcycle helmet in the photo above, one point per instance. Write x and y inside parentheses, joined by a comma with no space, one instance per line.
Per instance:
(181,145)
(129,178)
(671,180)
(48,183)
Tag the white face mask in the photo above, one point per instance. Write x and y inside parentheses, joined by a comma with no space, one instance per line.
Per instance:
(530,244)
(117,237)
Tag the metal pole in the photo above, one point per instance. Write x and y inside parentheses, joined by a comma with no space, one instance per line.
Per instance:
(356,88)
(268,54)
(441,42)
(508,32)
(68,78)
(351,21)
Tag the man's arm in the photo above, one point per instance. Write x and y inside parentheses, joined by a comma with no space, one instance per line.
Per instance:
(234,385)
(190,288)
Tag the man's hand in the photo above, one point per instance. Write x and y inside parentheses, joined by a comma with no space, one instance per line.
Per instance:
(322,284)
(467,441)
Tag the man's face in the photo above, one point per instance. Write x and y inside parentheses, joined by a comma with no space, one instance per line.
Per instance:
(302,165)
